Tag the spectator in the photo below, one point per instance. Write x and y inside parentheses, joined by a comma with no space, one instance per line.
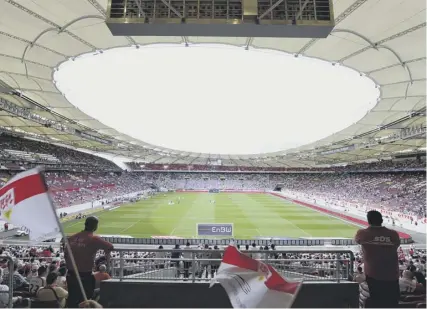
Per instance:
(38,282)
(379,246)
(175,256)
(51,292)
(19,282)
(84,246)
(204,263)
(420,277)
(160,255)
(216,255)
(359,276)
(62,278)
(187,259)
(408,284)
(4,295)
(101,275)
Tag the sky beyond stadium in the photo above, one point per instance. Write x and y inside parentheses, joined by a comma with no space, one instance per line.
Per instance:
(216,99)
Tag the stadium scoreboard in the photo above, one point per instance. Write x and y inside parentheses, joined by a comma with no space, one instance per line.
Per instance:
(215,229)
(223,18)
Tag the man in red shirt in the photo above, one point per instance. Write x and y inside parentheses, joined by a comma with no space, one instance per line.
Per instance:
(379,247)
(84,246)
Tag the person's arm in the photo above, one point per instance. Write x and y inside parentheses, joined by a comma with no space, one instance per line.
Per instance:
(358,237)
(107,247)
(103,245)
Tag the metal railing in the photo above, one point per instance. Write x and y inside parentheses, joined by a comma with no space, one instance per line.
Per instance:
(10,283)
(194,265)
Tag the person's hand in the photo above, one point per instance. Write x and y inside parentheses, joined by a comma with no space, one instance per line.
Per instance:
(89,304)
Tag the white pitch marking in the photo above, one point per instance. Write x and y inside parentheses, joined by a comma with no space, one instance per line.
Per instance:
(173,231)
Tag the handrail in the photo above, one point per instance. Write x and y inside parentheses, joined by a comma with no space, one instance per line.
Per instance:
(197,261)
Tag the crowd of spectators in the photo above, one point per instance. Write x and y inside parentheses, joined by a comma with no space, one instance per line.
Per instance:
(68,189)
(16,153)
(401,192)
(35,268)
(374,166)
(206,181)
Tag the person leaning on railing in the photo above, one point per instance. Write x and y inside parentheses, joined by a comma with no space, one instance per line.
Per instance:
(379,247)
(84,246)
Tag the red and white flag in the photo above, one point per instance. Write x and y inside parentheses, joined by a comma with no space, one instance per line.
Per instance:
(25,203)
(252,284)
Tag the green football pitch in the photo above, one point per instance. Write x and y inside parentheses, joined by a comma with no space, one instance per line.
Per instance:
(253,216)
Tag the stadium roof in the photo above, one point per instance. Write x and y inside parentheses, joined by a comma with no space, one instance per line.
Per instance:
(385,40)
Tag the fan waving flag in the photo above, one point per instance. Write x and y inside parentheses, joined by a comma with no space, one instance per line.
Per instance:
(25,203)
(252,284)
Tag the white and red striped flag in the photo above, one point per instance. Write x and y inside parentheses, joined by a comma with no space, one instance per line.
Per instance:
(25,203)
(252,284)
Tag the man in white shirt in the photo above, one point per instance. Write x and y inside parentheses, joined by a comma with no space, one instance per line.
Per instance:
(38,282)
(62,278)
(160,255)
(252,248)
(407,283)
(359,276)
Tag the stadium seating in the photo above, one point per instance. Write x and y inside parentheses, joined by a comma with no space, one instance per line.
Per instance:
(16,152)
(69,189)
(29,259)
(403,192)
(379,165)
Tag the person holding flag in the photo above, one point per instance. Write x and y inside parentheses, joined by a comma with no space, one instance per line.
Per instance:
(84,246)
(25,202)
(250,283)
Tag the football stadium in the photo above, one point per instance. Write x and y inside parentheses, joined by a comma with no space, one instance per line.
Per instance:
(239,153)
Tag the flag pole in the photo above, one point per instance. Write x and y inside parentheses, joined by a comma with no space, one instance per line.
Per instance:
(64,237)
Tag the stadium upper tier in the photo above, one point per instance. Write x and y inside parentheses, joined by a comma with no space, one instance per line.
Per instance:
(19,153)
(35,38)
(387,165)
